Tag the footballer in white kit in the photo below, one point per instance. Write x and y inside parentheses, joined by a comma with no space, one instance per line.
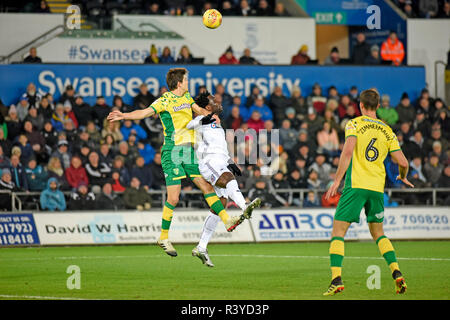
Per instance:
(216,167)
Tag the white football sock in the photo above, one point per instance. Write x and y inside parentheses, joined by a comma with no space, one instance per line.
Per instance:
(235,194)
(209,227)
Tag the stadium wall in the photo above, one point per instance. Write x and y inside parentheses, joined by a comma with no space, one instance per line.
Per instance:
(125,227)
(93,80)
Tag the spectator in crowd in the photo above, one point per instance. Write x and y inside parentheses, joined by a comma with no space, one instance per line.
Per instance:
(408,9)
(146,151)
(25,148)
(234,120)
(444,182)
(313,180)
(13,124)
(4,159)
(70,114)
(185,56)
(278,103)
(18,173)
(433,170)
(288,135)
(59,117)
(228,57)
(166,56)
(153,8)
(100,111)
(52,198)
(297,101)
(22,108)
(361,49)
(280,10)
(321,167)
(414,145)
(334,57)
(264,9)
(32,57)
(76,173)
(301,57)
(262,108)
(94,134)
(31,95)
(269,199)
(70,132)
(153,57)
(116,184)
(157,173)
(416,164)
(316,99)
(392,173)
(45,109)
(113,129)
(56,170)
(98,172)
(311,200)
(130,127)
(245,9)
(136,196)
(421,123)
(392,49)
(314,122)
(255,122)
(428,8)
(246,58)
(62,153)
(82,111)
(126,154)
(297,181)
(68,95)
(443,120)
(142,172)
(36,119)
(386,113)
(6,184)
(118,104)
(43,7)
(436,135)
(82,198)
(426,106)
(405,110)
(280,182)
(445,12)
(328,140)
(333,94)
(109,200)
(374,56)
(105,153)
(227,99)
(37,176)
(144,98)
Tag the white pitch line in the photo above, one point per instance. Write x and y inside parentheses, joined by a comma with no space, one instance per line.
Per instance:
(222,255)
(9,296)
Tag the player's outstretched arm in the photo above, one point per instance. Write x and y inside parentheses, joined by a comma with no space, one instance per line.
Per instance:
(344,162)
(134,115)
(403,167)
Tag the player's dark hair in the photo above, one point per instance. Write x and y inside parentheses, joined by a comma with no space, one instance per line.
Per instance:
(202,100)
(370,99)
(174,76)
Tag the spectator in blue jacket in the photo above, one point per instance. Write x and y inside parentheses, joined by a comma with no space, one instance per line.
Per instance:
(131,127)
(18,174)
(52,198)
(166,56)
(311,200)
(141,171)
(146,151)
(36,176)
(392,173)
(262,108)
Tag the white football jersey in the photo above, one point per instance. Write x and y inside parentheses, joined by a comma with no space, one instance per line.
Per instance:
(209,139)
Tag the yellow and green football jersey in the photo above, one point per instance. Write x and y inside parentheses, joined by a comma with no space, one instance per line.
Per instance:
(374,140)
(175,113)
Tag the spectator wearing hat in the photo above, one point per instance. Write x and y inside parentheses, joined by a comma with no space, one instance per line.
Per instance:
(22,108)
(32,56)
(68,95)
(136,196)
(361,50)
(392,49)
(301,57)
(37,176)
(100,111)
(386,113)
(52,198)
(406,111)
(76,173)
(62,153)
(422,123)
(433,169)
(334,57)
(6,184)
(109,200)
(374,56)
(228,57)
(82,198)
(153,57)
(144,98)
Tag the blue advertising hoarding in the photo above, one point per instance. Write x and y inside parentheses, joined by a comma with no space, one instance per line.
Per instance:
(124,80)
(18,229)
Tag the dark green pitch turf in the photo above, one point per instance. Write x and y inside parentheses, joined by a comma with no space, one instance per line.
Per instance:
(242,271)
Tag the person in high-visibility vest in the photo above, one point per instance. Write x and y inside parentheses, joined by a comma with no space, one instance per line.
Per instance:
(392,49)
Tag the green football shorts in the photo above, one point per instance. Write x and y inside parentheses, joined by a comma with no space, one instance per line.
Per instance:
(353,200)
(178,162)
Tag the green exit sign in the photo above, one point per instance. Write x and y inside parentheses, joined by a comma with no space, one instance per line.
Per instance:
(334,17)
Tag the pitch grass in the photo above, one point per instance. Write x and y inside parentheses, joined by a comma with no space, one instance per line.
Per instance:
(243,271)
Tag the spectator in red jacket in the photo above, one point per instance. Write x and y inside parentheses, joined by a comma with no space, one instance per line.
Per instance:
(302,56)
(392,49)
(228,57)
(76,173)
(255,122)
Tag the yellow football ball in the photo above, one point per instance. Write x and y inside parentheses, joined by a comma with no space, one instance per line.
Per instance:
(212,18)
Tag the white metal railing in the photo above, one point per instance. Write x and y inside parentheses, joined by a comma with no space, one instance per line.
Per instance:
(19,198)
